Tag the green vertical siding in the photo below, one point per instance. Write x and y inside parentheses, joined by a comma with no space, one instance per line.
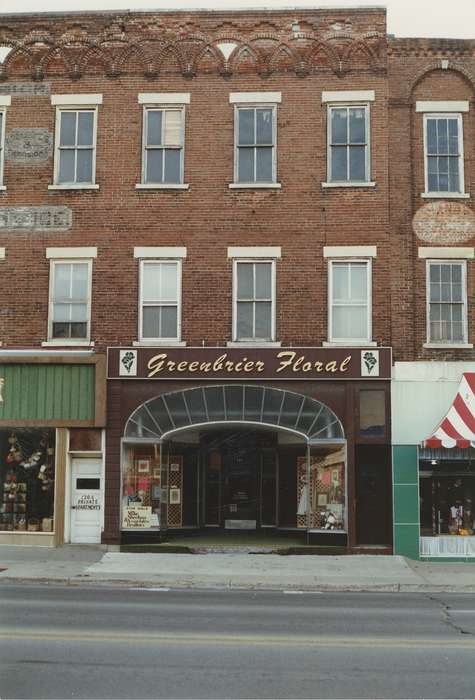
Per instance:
(47,392)
(406,500)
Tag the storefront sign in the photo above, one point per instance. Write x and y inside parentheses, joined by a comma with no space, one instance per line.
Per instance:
(28,146)
(137,517)
(249,363)
(26,89)
(35,218)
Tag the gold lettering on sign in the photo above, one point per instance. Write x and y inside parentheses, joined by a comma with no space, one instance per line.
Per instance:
(2,384)
(288,358)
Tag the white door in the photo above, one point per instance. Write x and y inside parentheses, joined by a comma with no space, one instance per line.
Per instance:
(86,501)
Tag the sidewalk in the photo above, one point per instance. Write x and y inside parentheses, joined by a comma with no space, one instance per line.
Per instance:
(80,565)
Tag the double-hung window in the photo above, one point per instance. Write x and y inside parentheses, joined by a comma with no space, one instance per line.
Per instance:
(443,145)
(254,301)
(350,301)
(70,300)
(75,141)
(255,144)
(160,300)
(5,101)
(163,145)
(348,144)
(446,301)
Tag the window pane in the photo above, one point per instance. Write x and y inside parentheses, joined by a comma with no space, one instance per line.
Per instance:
(84,165)
(79,312)
(263,320)
(431,136)
(169,280)
(357,163)
(339,126)
(78,330)
(435,292)
(264,164)
(172,164)
(434,273)
(340,281)
(457,332)
(154,127)
(264,126)
(244,320)
(456,274)
(246,164)
(172,133)
(454,185)
(79,281)
(151,282)
(442,136)
(60,330)
(359,283)
(151,322)
(357,125)
(263,280)
(349,322)
(245,281)
(154,166)
(62,312)
(62,281)
(85,128)
(453,136)
(246,126)
(68,129)
(339,163)
(169,322)
(66,166)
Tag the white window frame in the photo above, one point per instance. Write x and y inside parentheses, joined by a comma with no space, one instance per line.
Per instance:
(450,344)
(162,340)
(255,105)
(461,157)
(69,341)
(349,183)
(163,107)
(254,341)
(3,113)
(369,287)
(74,185)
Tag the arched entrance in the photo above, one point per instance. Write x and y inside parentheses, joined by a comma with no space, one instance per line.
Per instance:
(233,456)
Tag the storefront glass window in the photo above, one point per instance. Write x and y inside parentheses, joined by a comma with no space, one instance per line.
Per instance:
(325,496)
(372,413)
(141,487)
(27,474)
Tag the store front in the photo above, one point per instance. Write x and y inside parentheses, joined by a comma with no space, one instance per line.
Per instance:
(270,453)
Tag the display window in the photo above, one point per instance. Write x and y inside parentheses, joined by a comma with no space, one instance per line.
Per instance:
(447,495)
(27,478)
(322,503)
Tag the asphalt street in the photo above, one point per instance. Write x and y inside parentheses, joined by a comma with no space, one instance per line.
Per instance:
(73,642)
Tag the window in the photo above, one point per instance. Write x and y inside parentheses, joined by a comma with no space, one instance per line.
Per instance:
(254,301)
(443,145)
(255,140)
(447,302)
(75,153)
(163,145)
(160,300)
(348,143)
(70,296)
(350,301)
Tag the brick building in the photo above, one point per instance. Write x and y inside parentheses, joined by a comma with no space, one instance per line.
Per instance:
(202,201)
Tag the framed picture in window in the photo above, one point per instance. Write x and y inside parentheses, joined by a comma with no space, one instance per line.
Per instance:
(156,492)
(156,472)
(142,465)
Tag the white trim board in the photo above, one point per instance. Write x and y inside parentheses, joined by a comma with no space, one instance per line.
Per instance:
(255,97)
(350,251)
(2,253)
(254,252)
(5,100)
(160,252)
(164,98)
(79,99)
(442,106)
(445,253)
(348,96)
(66,253)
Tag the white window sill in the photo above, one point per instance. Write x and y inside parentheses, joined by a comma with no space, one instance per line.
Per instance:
(159,343)
(3,188)
(161,186)
(253,344)
(448,346)
(73,186)
(67,344)
(445,195)
(348,184)
(254,185)
(349,344)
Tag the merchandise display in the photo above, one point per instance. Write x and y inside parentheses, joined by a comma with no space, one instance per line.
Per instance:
(325,496)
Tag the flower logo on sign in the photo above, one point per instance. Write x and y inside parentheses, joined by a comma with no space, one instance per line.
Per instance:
(128,360)
(370,361)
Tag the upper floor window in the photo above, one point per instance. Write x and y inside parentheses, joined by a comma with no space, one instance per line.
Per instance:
(254,301)
(348,144)
(447,302)
(443,145)
(350,301)
(162,158)
(160,300)
(70,300)
(255,145)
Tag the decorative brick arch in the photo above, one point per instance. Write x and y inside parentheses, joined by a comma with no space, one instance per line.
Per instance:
(435,66)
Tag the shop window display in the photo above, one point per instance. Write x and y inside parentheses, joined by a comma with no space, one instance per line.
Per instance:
(447,493)
(325,496)
(27,474)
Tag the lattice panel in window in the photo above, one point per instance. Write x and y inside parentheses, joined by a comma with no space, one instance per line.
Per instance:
(175,492)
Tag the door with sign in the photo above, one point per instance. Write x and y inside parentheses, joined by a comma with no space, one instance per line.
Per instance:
(86,501)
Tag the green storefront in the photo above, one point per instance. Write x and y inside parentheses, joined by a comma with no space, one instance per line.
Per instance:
(52,409)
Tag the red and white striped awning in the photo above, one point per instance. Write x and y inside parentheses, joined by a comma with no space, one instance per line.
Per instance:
(457,429)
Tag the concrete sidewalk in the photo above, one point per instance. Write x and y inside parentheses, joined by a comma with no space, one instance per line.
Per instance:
(79,565)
